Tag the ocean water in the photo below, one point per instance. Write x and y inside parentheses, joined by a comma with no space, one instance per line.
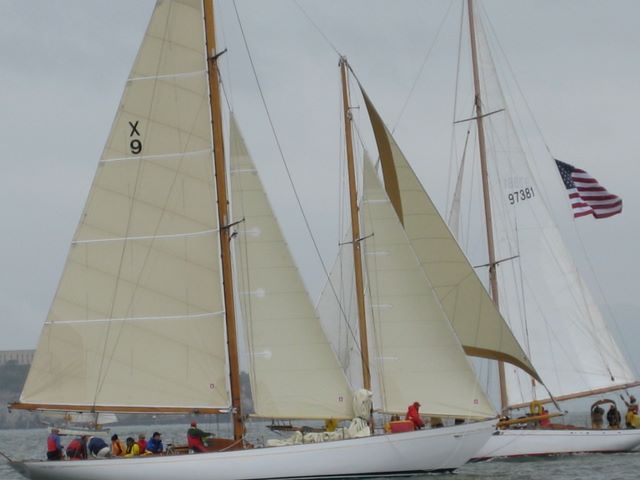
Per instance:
(23,444)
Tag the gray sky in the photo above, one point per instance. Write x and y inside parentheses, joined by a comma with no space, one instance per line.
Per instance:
(64,65)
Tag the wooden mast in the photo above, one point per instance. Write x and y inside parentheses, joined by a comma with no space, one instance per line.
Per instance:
(355,229)
(223,216)
(493,278)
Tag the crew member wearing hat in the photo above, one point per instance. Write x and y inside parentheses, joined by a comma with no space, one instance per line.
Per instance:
(196,437)
(413,414)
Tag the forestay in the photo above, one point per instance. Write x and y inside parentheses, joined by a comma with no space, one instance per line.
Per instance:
(137,320)
(294,372)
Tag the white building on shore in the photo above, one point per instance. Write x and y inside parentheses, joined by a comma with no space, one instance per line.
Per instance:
(20,357)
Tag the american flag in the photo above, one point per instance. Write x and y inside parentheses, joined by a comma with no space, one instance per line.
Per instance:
(587,196)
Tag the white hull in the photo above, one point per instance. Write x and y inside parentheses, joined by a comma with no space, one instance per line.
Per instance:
(520,443)
(401,454)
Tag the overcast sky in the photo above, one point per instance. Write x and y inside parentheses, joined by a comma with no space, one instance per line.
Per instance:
(64,65)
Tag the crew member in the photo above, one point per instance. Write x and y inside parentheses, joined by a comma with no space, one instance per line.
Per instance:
(196,437)
(117,448)
(155,444)
(77,448)
(133,449)
(142,443)
(632,411)
(413,414)
(597,417)
(54,447)
(545,421)
(613,417)
(98,448)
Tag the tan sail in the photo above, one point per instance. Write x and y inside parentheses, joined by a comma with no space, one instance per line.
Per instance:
(294,372)
(141,285)
(478,324)
(419,356)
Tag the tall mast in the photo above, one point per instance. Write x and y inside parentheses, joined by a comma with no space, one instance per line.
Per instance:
(493,278)
(223,216)
(355,229)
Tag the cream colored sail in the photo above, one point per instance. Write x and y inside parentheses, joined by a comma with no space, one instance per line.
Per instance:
(294,372)
(137,320)
(478,324)
(419,356)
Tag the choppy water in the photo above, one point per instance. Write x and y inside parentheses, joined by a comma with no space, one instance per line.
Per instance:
(22,444)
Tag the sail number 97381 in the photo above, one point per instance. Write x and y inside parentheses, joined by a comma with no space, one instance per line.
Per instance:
(521,195)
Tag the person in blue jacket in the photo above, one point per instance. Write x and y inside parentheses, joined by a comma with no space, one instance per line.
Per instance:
(154,445)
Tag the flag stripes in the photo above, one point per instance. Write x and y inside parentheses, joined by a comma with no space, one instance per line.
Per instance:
(586,195)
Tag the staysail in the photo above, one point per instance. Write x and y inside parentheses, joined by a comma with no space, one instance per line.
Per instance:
(475,319)
(418,355)
(294,372)
(141,286)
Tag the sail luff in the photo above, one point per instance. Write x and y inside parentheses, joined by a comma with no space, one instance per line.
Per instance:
(355,229)
(223,216)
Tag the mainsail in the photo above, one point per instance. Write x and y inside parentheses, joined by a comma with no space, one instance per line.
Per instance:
(294,372)
(141,285)
(475,319)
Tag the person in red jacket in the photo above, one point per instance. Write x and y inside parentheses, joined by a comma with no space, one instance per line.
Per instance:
(413,414)
(54,447)
(142,443)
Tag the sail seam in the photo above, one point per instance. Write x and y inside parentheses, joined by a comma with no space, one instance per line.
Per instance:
(194,73)
(137,319)
(146,237)
(158,156)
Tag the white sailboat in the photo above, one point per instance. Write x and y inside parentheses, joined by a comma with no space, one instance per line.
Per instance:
(151,269)
(537,285)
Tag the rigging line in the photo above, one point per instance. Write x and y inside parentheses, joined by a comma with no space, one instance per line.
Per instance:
(424,63)
(284,161)
(224,90)
(6,457)
(452,146)
(227,60)
(315,25)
